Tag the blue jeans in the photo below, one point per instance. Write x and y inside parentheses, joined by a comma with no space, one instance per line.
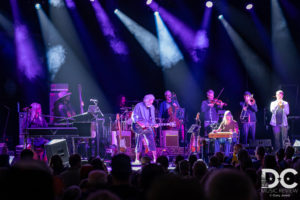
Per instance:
(248,127)
(225,142)
(280,134)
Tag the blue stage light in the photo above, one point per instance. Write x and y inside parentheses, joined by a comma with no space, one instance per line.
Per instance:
(37,6)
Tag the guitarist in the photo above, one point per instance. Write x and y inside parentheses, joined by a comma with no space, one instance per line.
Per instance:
(143,118)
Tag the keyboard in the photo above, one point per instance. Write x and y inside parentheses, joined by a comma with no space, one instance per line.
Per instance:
(222,135)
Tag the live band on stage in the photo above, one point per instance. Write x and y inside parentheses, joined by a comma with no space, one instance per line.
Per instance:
(149,124)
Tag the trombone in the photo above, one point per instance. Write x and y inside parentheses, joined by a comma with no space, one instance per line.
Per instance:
(251,102)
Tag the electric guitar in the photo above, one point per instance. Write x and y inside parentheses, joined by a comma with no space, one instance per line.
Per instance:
(121,141)
(137,128)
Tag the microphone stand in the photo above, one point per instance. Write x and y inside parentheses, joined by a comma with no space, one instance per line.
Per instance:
(6,122)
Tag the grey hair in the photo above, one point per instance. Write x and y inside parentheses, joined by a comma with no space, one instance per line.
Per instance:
(148,97)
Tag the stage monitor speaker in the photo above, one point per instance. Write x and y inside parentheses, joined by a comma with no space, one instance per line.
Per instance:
(58,147)
(170,138)
(125,134)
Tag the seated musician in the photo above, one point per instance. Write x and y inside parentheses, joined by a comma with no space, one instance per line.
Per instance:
(122,104)
(63,107)
(228,124)
(36,120)
(143,118)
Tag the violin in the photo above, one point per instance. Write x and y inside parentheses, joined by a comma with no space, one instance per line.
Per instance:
(217,102)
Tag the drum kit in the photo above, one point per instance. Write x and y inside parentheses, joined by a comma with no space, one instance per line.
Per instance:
(125,117)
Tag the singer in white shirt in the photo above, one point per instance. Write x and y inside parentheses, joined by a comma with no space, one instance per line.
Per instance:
(280,109)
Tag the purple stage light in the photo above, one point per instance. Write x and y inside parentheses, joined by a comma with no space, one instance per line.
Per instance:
(148,2)
(179,29)
(220,17)
(27,60)
(70,4)
(209,4)
(249,6)
(108,30)
(201,40)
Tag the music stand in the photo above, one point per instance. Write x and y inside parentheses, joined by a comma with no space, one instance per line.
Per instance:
(195,128)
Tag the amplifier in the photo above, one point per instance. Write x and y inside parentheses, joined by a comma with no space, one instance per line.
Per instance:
(170,138)
(22,124)
(125,134)
(57,147)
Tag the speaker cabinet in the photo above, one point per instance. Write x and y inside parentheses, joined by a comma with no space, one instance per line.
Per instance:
(170,138)
(58,147)
(22,124)
(125,134)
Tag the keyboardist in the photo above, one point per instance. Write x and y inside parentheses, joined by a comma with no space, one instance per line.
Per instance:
(228,124)
(35,118)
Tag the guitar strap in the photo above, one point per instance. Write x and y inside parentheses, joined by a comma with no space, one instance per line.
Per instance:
(150,115)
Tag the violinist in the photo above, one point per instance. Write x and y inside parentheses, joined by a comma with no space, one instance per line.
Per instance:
(210,109)
(280,110)
(248,116)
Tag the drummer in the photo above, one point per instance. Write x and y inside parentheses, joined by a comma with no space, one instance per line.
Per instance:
(125,112)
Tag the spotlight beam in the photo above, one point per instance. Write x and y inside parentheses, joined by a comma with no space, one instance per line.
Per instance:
(108,30)
(285,54)
(180,30)
(145,38)
(169,51)
(7,25)
(256,68)
(27,58)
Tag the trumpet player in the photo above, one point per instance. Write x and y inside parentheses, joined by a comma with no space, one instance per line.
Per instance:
(280,109)
(248,117)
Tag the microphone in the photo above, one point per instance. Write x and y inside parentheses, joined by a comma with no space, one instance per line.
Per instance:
(27,108)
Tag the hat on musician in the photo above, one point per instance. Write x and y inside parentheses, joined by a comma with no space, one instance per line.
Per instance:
(247,93)
(62,95)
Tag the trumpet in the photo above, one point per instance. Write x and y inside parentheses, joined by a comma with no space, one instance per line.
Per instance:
(280,104)
(251,100)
